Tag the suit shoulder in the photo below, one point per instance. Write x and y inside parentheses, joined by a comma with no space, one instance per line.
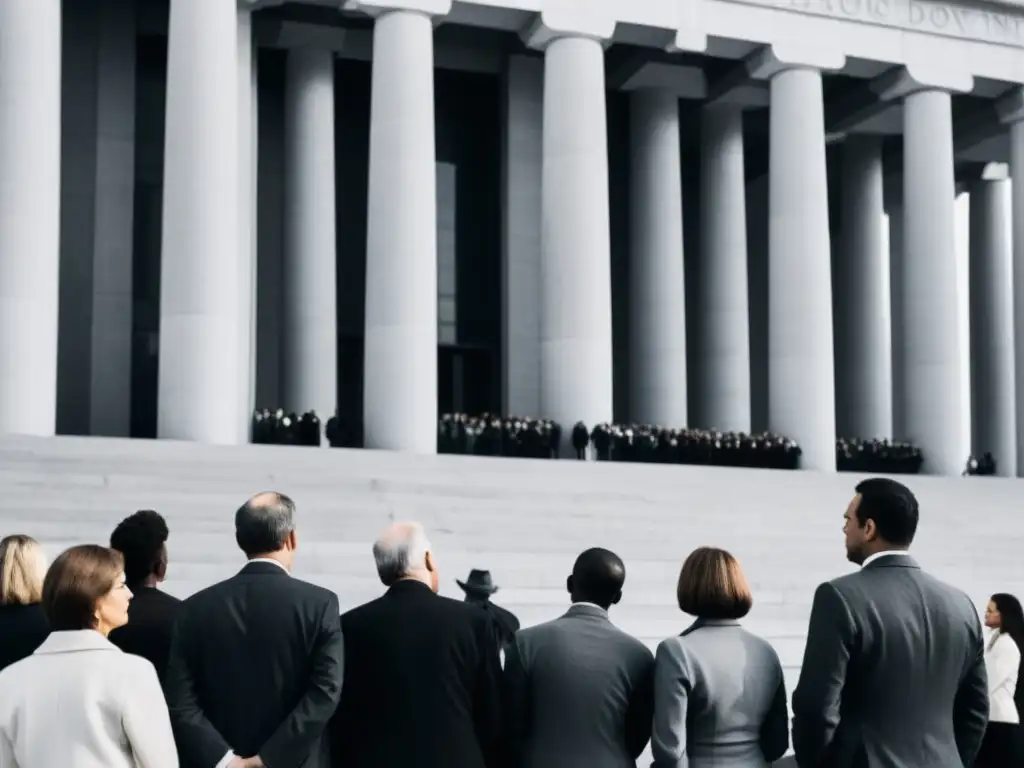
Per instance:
(135,667)
(314,592)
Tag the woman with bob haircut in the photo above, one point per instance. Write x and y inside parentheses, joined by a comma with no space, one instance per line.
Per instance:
(23,625)
(78,700)
(719,695)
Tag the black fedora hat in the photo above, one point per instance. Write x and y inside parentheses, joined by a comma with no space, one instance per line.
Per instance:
(479,582)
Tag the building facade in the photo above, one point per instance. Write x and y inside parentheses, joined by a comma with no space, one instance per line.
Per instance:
(731,214)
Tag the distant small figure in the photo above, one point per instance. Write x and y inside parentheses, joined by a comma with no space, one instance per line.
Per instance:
(479,588)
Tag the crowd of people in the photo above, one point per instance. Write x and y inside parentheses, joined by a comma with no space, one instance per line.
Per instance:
(523,437)
(99,668)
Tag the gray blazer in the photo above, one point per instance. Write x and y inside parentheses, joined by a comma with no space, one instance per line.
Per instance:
(719,699)
(893,674)
(578,693)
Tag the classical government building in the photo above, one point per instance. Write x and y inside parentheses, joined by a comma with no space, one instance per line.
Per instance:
(731,214)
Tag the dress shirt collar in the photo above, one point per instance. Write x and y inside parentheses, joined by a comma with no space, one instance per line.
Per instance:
(583,608)
(267,560)
(871,558)
(69,641)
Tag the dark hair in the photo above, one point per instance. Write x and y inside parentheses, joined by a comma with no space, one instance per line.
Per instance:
(892,506)
(712,586)
(76,581)
(264,522)
(1011,617)
(598,576)
(140,538)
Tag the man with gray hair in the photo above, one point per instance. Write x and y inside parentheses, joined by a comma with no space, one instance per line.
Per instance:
(423,672)
(256,661)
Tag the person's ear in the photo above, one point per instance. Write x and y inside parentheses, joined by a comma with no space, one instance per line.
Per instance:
(618,596)
(428,561)
(870,530)
(568,585)
(293,541)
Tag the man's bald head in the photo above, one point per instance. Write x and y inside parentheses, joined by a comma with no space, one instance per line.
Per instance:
(265,523)
(597,577)
(403,552)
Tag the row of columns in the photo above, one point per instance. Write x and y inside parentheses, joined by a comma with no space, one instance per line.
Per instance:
(208,278)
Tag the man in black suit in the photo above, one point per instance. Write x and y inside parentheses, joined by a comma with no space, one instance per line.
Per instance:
(256,661)
(142,540)
(423,670)
(893,673)
(478,588)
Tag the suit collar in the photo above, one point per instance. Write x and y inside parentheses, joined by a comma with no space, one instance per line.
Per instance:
(262,566)
(409,587)
(70,641)
(587,609)
(709,623)
(896,559)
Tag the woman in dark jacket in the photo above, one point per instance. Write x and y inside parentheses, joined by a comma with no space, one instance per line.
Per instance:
(23,627)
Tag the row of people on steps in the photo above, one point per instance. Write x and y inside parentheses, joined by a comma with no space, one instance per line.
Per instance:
(262,670)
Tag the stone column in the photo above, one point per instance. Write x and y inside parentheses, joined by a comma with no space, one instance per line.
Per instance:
(310,340)
(801,374)
(657,310)
(575,312)
(993,406)
(1011,111)
(863,356)
(723,371)
(931,396)
(400,371)
(200,390)
(30,147)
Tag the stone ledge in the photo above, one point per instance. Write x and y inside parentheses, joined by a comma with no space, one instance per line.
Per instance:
(432,8)
(900,82)
(769,60)
(562,18)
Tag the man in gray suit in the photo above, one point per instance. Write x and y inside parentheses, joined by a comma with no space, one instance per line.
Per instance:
(578,690)
(893,673)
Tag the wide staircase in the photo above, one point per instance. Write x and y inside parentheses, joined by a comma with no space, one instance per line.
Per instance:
(524,520)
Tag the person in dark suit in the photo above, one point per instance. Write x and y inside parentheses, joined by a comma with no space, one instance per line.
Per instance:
(256,661)
(579,691)
(423,670)
(894,669)
(142,541)
(23,625)
(478,588)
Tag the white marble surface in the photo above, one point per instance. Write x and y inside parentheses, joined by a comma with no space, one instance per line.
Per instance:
(523,520)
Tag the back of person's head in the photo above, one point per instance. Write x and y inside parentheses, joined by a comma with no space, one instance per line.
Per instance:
(79,591)
(142,540)
(598,576)
(893,508)
(712,586)
(265,526)
(22,570)
(403,552)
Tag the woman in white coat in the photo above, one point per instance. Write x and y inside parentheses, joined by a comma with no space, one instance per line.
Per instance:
(1001,747)
(79,701)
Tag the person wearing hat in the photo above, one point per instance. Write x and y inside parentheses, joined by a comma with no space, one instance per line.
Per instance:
(479,587)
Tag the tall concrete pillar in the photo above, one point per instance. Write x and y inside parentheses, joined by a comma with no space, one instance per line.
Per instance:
(657,308)
(30,148)
(575,312)
(723,369)
(931,394)
(400,371)
(862,341)
(310,343)
(1011,111)
(894,208)
(201,307)
(993,405)
(801,374)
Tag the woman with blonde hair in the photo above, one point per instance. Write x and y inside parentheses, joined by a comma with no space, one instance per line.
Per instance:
(719,695)
(23,625)
(110,711)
